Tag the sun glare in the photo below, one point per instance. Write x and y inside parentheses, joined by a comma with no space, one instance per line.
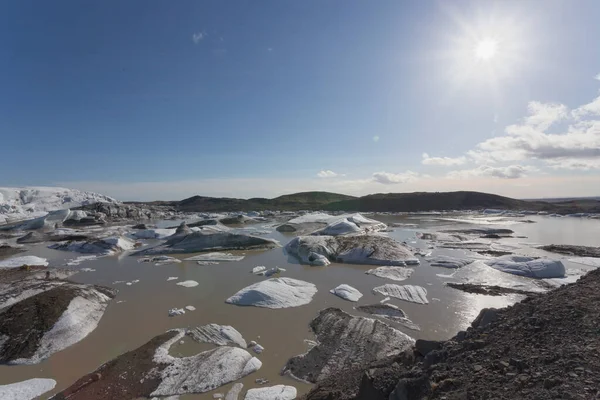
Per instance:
(486,49)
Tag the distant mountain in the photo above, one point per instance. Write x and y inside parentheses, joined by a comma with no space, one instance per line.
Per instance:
(429,201)
(381,202)
(291,202)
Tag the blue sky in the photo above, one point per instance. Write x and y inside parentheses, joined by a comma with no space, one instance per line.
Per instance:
(159,100)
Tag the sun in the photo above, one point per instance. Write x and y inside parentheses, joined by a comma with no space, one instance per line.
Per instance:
(486,49)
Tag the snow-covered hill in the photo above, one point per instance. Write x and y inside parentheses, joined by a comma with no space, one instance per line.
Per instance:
(31,202)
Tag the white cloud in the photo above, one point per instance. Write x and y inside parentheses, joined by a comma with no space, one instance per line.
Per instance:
(597,77)
(326,173)
(576,145)
(446,161)
(376,138)
(388,178)
(509,172)
(198,36)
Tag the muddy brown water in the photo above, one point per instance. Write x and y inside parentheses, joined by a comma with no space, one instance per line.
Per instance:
(139,311)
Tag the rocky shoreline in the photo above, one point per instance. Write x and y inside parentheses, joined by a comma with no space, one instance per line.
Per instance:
(545,347)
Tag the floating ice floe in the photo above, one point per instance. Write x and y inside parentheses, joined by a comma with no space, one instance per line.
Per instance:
(190,308)
(188,283)
(410,293)
(347,292)
(234,392)
(172,278)
(360,249)
(449,262)
(278,392)
(275,293)
(258,348)
(221,335)
(160,260)
(26,390)
(80,259)
(272,271)
(215,257)
(87,270)
(209,239)
(105,246)
(173,312)
(17,262)
(390,312)
(393,273)
(198,374)
(345,340)
(78,309)
(528,266)
(258,270)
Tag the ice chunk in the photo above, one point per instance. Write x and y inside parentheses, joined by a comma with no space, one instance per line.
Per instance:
(203,372)
(234,392)
(221,335)
(410,293)
(17,262)
(188,283)
(190,308)
(347,292)
(391,312)
(216,256)
(173,312)
(80,259)
(160,260)
(528,266)
(258,348)
(275,293)
(26,390)
(105,246)
(278,392)
(344,340)
(172,278)
(449,262)
(153,233)
(393,273)
(259,269)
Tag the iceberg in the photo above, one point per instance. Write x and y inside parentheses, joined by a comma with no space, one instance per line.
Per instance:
(52,320)
(347,292)
(528,266)
(153,233)
(275,293)
(221,335)
(449,262)
(344,340)
(352,249)
(216,257)
(204,371)
(106,246)
(393,273)
(17,262)
(390,312)
(278,392)
(410,293)
(209,239)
